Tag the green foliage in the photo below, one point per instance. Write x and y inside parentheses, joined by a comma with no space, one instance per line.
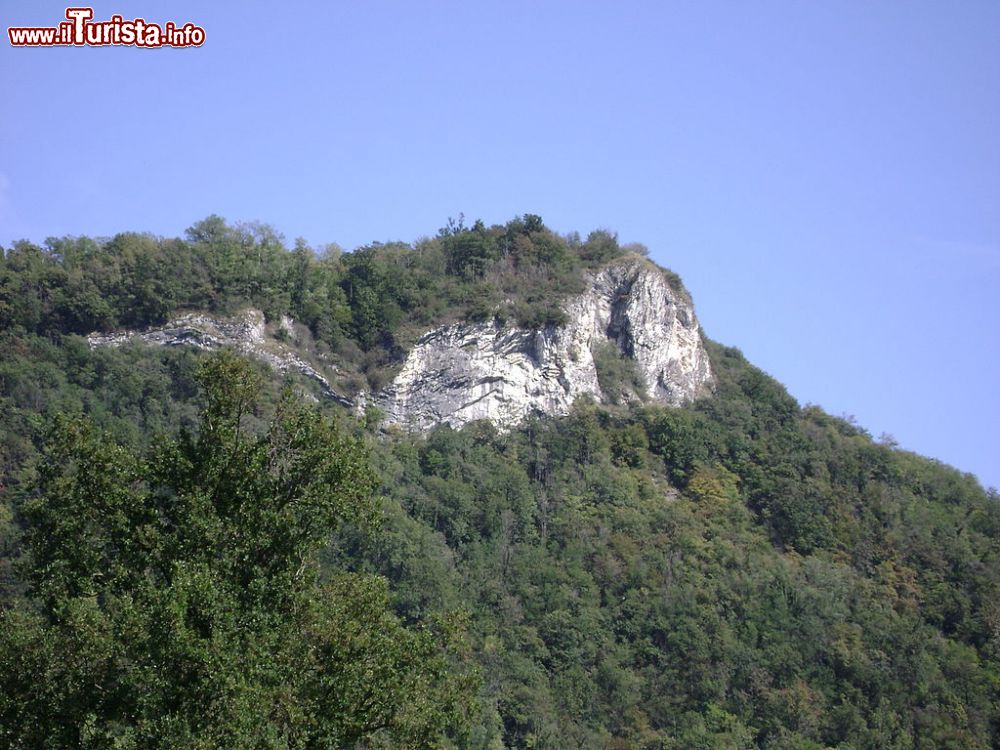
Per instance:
(743,573)
(618,376)
(739,573)
(377,299)
(176,602)
(601,246)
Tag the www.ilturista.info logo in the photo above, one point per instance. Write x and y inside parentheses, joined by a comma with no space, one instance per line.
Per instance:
(78,30)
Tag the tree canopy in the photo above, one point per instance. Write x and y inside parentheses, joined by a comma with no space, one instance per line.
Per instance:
(176,598)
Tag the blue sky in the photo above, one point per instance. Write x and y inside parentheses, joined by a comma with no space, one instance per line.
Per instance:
(824,176)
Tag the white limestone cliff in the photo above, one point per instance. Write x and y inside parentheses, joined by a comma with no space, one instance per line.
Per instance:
(460,373)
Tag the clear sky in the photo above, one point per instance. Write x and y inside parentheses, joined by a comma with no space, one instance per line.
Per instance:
(825,176)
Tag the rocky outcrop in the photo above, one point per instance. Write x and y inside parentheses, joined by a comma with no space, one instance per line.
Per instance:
(464,372)
(246,333)
(461,373)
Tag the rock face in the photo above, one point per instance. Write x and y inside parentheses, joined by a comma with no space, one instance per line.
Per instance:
(460,373)
(245,332)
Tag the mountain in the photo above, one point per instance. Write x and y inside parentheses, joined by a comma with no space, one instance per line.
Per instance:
(637,539)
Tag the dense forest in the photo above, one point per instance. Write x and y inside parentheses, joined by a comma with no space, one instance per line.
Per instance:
(194,556)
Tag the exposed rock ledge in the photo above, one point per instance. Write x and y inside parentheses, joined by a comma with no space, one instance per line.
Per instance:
(464,372)
(245,332)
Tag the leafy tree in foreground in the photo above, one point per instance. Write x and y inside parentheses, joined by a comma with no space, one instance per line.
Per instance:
(177,600)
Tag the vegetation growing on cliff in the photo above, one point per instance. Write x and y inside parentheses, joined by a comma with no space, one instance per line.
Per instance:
(366,306)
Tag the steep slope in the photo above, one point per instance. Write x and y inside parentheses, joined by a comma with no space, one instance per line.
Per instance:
(460,373)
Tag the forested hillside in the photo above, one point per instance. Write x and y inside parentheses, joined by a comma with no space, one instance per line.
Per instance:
(186,566)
